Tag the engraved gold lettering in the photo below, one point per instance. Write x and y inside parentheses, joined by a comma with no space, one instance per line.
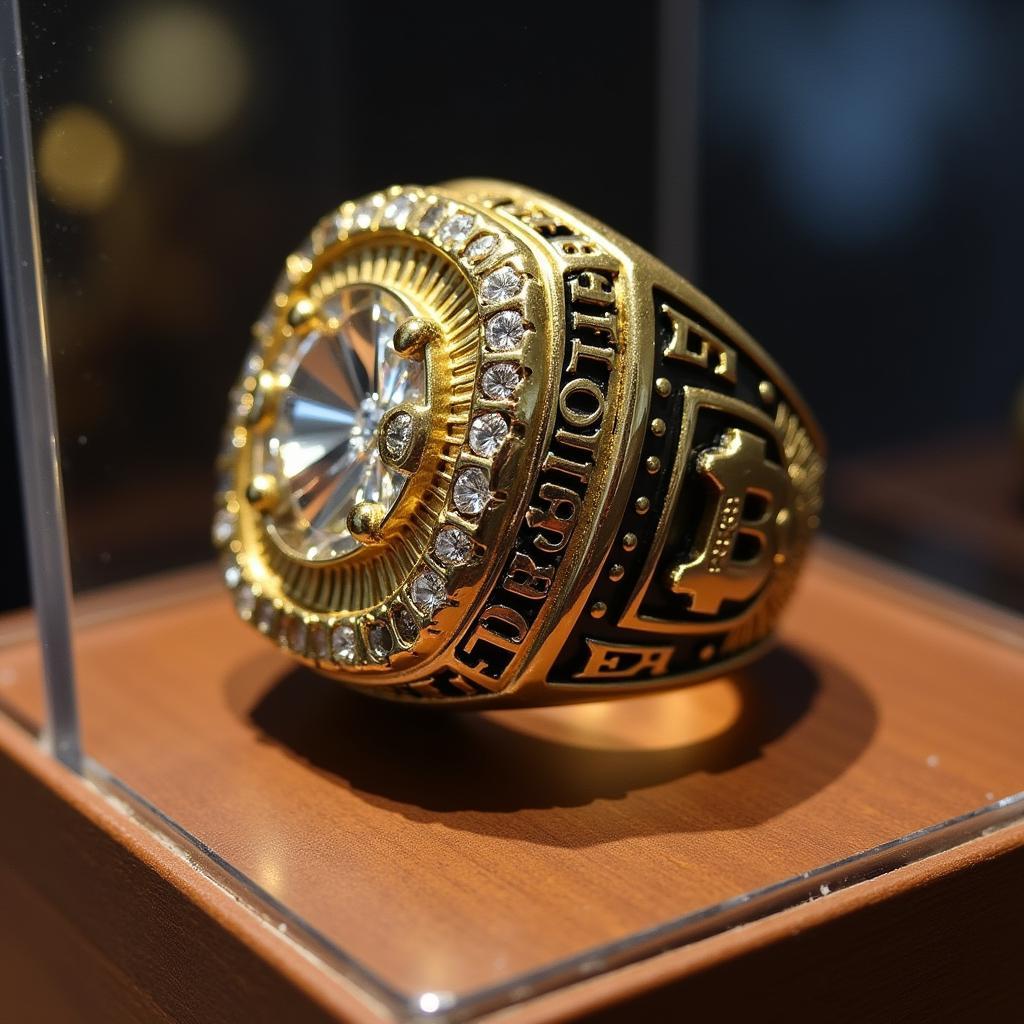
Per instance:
(580,470)
(750,497)
(603,323)
(623,661)
(597,353)
(527,579)
(692,344)
(576,416)
(559,518)
(591,287)
(507,640)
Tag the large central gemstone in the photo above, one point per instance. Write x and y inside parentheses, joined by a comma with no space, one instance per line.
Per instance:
(323,444)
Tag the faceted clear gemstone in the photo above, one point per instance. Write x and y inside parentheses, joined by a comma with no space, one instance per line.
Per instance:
(456,229)
(300,262)
(481,246)
(297,636)
(245,601)
(504,332)
(432,217)
(343,643)
(452,546)
(337,227)
(500,380)
(470,492)
(396,213)
(323,444)
(501,285)
(379,637)
(364,213)
(223,527)
(326,232)
(487,433)
(398,435)
(319,641)
(428,592)
(405,624)
(232,575)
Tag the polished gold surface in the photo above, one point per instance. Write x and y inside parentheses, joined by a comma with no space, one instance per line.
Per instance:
(605,487)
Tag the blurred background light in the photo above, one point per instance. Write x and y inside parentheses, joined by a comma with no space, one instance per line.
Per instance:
(178,71)
(852,107)
(80,159)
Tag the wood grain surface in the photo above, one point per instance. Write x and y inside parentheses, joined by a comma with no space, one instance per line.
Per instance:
(447,852)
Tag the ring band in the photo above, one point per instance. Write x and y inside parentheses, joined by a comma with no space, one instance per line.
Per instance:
(484,450)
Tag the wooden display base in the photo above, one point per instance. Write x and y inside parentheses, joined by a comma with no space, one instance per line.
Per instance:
(326,857)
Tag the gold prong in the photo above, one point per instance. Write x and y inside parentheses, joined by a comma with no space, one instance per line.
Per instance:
(262,492)
(414,335)
(365,521)
(302,311)
(402,435)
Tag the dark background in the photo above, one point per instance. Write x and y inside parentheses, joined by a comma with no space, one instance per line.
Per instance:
(843,177)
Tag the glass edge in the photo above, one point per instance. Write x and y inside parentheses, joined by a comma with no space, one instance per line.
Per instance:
(454,1008)
(33,396)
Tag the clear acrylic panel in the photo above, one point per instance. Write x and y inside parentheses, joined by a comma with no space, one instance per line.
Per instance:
(182,148)
(46,675)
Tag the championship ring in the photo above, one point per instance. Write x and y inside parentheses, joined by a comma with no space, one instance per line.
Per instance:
(486,451)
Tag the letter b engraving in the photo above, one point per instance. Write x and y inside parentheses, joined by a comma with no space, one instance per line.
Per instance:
(739,534)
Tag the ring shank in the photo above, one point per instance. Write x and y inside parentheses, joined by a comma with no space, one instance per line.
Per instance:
(674,504)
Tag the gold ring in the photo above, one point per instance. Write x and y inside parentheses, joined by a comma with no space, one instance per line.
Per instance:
(484,450)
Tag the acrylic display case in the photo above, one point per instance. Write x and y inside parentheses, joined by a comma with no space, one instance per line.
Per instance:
(202,830)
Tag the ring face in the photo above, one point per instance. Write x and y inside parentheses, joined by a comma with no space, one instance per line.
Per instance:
(485,450)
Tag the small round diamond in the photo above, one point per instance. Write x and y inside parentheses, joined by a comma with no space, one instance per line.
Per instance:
(245,601)
(343,643)
(379,637)
(297,636)
(456,229)
(452,546)
(481,246)
(398,435)
(232,575)
(266,614)
(396,213)
(487,433)
(428,592)
(500,380)
(504,332)
(223,527)
(405,624)
(470,492)
(500,286)
(363,216)
(432,218)
(319,641)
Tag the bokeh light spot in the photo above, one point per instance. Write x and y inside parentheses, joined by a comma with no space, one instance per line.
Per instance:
(80,159)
